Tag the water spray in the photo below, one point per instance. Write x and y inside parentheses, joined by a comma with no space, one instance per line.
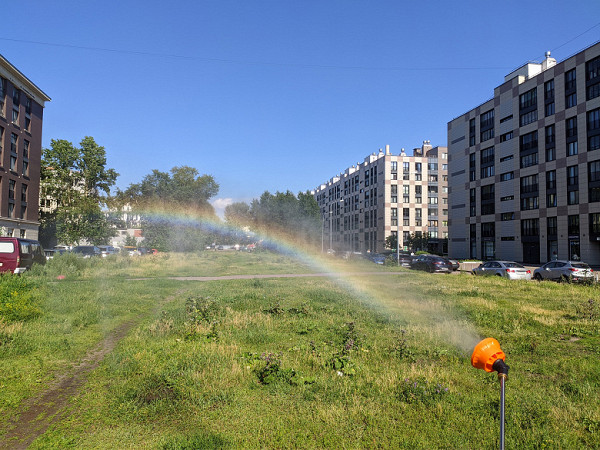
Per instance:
(488,355)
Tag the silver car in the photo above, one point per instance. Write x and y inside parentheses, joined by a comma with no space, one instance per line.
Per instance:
(507,269)
(564,271)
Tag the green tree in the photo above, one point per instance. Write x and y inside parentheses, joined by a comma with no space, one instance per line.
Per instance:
(182,191)
(78,183)
(297,217)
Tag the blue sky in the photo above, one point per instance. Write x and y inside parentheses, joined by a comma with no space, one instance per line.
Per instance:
(274,95)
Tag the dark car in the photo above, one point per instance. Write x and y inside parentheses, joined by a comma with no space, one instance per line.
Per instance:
(453,263)
(18,255)
(377,258)
(431,263)
(403,259)
(87,251)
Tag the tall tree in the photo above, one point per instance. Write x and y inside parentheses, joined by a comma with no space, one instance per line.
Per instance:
(77,182)
(182,190)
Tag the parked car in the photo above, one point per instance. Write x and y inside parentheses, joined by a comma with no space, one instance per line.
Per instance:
(107,250)
(87,251)
(506,269)
(454,263)
(564,271)
(377,258)
(18,255)
(51,253)
(404,258)
(431,263)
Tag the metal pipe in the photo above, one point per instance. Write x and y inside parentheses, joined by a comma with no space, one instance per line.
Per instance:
(502,379)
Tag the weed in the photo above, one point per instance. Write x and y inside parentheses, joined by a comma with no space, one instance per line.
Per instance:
(275,309)
(400,348)
(201,309)
(341,361)
(589,310)
(270,371)
(420,390)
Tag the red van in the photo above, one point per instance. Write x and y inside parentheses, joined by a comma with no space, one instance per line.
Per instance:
(17,255)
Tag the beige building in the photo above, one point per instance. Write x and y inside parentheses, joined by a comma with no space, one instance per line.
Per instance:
(525,166)
(386,195)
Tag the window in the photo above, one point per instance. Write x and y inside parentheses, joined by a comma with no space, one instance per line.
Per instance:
(487,162)
(549,98)
(594,181)
(550,135)
(506,136)
(24,193)
(593,129)
(507,198)
(507,158)
(11,189)
(13,163)
(551,179)
(550,154)
(528,99)
(486,125)
(573,225)
(592,78)
(473,202)
(529,191)
(507,216)
(528,118)
(573,176)
(551,226)
(551,200)
(572,148)
(528,141)
(570,89)
(15,115)
(530,227)
(394,166)
(13,143)
(506,119)
(487,199)
(507,176)
(472,164)
(25,148)
(529,160)
(571,127)
(2,95)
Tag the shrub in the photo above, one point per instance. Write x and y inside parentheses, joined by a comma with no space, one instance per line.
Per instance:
(18,298)
(420,391)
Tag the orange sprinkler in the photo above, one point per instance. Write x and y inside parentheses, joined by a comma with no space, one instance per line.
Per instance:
(488,355)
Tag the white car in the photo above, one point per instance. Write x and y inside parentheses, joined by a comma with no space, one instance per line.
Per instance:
(506,269)
(564,271)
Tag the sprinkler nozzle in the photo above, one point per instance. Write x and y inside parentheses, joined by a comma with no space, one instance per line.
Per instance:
(488,356)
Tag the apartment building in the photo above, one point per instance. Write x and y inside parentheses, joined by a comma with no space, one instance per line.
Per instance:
(21,113)
(525,166)
(387,195)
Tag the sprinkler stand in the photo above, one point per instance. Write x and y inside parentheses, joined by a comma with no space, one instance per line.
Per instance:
(488,356)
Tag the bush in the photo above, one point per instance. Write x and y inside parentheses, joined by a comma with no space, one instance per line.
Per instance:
(18,298)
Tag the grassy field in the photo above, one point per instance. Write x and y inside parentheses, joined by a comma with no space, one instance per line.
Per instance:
(345,361)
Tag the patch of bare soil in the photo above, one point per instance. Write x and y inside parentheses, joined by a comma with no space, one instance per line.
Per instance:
(38,413)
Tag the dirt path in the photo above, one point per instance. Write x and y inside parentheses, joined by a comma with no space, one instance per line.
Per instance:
(38,413)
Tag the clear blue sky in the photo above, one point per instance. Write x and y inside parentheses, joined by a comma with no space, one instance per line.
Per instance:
(274,95)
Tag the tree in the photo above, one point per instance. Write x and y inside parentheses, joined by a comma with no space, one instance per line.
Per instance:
(181,193)
(297,217)
(77,182)
(238,214)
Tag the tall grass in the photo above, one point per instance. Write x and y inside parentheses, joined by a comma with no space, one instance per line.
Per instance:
(350,362)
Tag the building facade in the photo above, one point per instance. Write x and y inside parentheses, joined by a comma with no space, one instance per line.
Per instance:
(525,166)
(21,114)
(387,195)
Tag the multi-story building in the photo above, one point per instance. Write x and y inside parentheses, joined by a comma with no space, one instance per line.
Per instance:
(387,195)
(21,112)
(525,166)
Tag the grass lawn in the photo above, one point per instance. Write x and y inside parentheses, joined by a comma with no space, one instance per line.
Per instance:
(344,361)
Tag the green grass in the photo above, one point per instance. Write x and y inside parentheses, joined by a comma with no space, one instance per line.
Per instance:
(353,361)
